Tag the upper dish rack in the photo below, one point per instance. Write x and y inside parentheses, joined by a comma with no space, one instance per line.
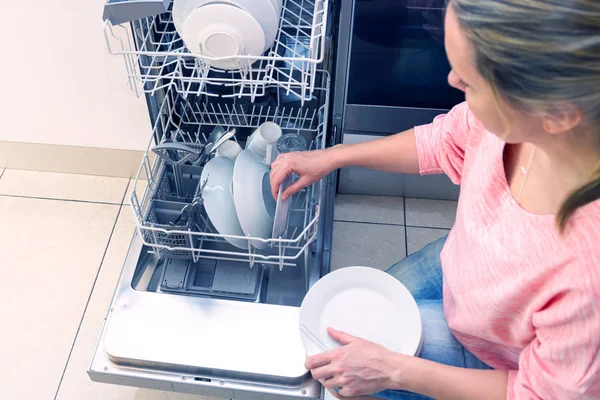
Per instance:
(156,57)
(189,120)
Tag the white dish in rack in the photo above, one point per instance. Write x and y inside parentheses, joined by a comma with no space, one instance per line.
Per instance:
(265,12)
(218,199)
(278,4)
(223,30)
(254,202)
(363,302)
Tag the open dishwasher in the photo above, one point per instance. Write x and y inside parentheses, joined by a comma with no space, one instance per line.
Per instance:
(191,312)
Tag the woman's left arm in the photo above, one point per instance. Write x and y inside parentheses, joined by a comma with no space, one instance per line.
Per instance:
(361,367)
(441,381)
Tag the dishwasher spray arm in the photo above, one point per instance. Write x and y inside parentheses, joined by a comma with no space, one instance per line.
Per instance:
(121,11)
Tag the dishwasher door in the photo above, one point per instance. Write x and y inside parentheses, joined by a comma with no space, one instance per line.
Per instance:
(222,343)
(200,345)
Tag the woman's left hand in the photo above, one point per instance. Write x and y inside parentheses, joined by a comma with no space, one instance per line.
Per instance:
(358,368)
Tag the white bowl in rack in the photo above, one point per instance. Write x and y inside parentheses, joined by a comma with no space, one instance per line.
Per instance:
(227,28)
(223,30)
(278,4)
(266,12)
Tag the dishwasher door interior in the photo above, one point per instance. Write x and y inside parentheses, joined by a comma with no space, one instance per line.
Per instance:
(191,312)
(203,345)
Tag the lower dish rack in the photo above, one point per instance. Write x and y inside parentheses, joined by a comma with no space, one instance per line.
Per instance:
(189,120)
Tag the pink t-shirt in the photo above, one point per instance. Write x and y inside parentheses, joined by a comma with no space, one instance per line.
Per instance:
(517,294)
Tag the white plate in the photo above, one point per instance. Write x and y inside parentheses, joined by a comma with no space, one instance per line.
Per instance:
(182,9)
(253,199)
(278,4)
(266,12)
(282,210)
(363,302)
(223,30)
(218,199)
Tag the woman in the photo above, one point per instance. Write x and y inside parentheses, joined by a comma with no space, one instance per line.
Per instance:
(521,266)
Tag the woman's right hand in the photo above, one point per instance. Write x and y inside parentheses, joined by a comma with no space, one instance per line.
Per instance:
(310,166)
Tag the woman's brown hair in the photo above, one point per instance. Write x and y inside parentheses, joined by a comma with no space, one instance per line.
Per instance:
(539,53)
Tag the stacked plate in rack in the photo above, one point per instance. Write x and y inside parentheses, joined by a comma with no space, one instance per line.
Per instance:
(223,30)
(237,191)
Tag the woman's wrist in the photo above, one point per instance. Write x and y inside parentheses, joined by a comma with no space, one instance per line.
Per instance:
(414,374)
(339,156)
(402,367)
(441,381)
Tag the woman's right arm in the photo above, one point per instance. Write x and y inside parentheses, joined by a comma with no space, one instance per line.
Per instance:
(395,153)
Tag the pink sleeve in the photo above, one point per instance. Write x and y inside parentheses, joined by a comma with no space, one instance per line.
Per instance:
(441,144)
(563,361)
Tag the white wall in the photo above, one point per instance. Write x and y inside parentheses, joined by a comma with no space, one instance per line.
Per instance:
(59,84)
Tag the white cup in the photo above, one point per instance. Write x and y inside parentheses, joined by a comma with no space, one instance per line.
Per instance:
(229,149)
(263,142)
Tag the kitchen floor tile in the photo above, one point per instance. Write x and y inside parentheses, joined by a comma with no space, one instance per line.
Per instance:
(417,238)
(371,245)
(374,209)
(76,384)
(60,186)
(51,254)
(430,213)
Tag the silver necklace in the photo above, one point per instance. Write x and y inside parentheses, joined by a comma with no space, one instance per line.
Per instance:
(525,172)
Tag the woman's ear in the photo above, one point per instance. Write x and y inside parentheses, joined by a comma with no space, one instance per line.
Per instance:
(562,118)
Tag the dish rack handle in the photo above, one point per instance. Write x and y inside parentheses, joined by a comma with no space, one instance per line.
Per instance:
(121,11)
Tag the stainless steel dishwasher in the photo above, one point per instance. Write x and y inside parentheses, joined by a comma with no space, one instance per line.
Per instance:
(192,313)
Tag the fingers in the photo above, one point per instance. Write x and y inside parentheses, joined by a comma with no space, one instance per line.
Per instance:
(335,394)
(341,337)
(274,184)
(320,360)
(285,165)
(348,395)
(335,382)
(339,391)
(277,176)
(296,187)
(323,374)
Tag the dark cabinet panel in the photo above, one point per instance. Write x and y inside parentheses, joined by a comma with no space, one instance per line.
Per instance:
(397,55)
(355,180)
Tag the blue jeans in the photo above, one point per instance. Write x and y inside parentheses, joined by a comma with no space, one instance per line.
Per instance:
(421,273)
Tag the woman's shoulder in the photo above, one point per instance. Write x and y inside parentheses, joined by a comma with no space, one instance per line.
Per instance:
(583,229)
(478,134)
(584,224)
